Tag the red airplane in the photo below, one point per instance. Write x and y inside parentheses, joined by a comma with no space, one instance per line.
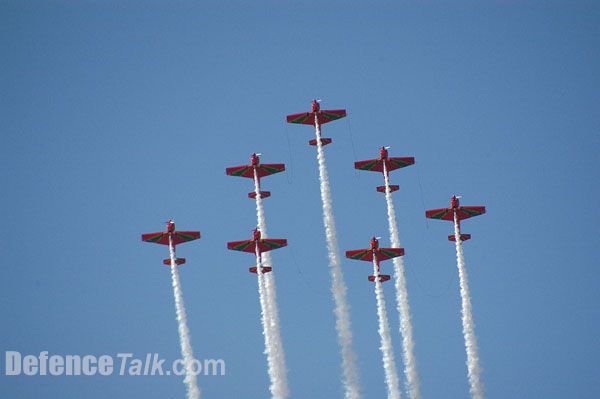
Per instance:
(458,211)
(171,237)
(316,117)
(376,253)
(255,167)
(257,246)
(376,165)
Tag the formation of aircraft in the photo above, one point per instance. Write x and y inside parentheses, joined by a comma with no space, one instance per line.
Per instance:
(375,254)
(257,245)
(456,213)
(256,170)
(316,117)
(172,238)
(390,163)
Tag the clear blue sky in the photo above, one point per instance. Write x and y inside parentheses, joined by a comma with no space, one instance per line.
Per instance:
(118,115)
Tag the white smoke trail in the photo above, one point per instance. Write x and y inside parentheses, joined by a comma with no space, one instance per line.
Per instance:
(473,368)
(193,392)
(387,351)
(408,356)
(274,346)
(338,287)
(264,320)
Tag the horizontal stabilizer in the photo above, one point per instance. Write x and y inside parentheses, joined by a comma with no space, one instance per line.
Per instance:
(393,187)
(324,141)
(382,277)
(265,269)
(178,261)
(263,194)
(463,237)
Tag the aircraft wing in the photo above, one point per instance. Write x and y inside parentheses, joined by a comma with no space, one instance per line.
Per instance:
(158,238)
(242,170)
(465,212)
(440,213)
(365,254)
(244,245)
(324,116)
(329,115)
(376,165)
(264,245)
(179,237)
(389,253)
(268,244)
(305,118)
(399,162)
(266,169)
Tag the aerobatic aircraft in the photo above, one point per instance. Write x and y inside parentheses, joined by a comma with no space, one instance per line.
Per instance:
(172,238)
(255,167)
(456,212)
(316,117)
(377,254)
(376,165)
(257,245)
